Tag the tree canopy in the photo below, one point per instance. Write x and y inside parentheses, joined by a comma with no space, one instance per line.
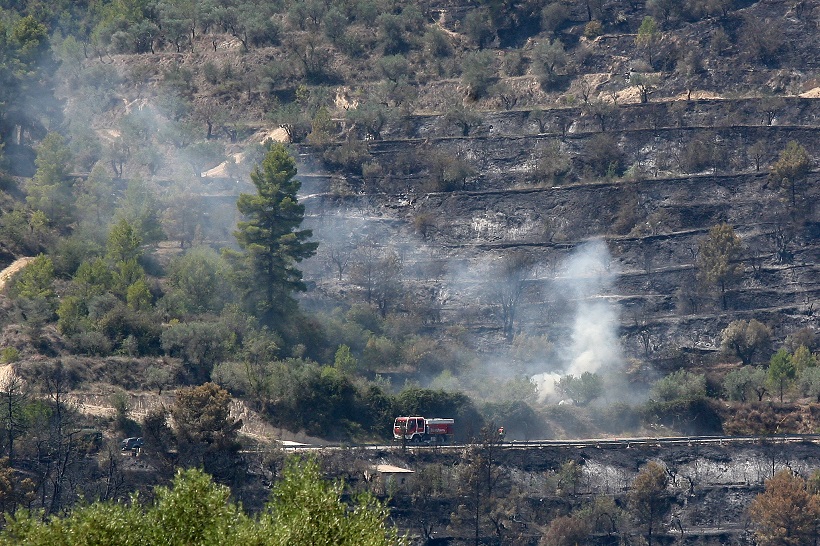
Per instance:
(718,259)
(785,513)
(270,236)
(304,510)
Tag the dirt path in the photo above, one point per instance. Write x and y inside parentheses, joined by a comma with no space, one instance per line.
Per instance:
(16,266)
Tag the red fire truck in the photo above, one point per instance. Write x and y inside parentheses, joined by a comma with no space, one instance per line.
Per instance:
(421,429)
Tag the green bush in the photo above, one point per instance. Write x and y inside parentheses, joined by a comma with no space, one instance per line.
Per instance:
(478,73)
(199,344)
(303,510)
(685,415)
(679,385)
(122,322)
(323,401)
(593,29)
(9,355)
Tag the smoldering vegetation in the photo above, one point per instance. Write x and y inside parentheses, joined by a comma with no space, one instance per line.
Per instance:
(515,359)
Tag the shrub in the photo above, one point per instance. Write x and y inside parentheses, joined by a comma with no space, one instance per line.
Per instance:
(688,416)
(437,43)
(9,355)
(478,28)
(198,344)
(603,155)
(679,385)
(121,322)
(478,73)
(554,16)
(90,343)
(549,59)
(431,403)
(593,29)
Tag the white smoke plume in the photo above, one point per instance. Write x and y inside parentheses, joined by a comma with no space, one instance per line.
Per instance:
(593,346)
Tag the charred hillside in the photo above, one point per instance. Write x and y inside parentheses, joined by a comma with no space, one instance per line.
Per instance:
(456,158)
(535,169)
(234,223)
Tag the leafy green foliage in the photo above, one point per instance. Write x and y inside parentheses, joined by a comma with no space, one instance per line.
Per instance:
(478,28)
(199,344)
(549,58)
(809,383)
(270,238)
(35,280)
(582,389)
(50,189)
(478,73)
(679,385)
(781,371)
(803,359)
(303,497)
(679,401)
(344,361)
(198,282)
(745,339)
(439,403)
(304,510)
(24,231)
(320,400)
(745,383)
(648,37)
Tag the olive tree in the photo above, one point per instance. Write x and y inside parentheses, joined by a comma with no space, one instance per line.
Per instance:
(790,169)
(718,259)
(745,339)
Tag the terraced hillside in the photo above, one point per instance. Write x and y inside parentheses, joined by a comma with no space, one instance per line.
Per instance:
(588,160)
(521,188)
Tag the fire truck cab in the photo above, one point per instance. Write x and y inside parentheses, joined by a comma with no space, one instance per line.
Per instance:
(421,429)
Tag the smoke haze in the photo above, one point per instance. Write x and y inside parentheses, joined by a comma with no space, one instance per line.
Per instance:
(593,346)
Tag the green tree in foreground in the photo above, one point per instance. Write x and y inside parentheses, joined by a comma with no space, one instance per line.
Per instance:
(304,511)
(270,237)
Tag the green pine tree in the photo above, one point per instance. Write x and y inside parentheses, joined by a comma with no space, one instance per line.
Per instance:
(270,236)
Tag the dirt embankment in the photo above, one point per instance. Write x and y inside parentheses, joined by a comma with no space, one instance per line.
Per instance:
(16,266)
